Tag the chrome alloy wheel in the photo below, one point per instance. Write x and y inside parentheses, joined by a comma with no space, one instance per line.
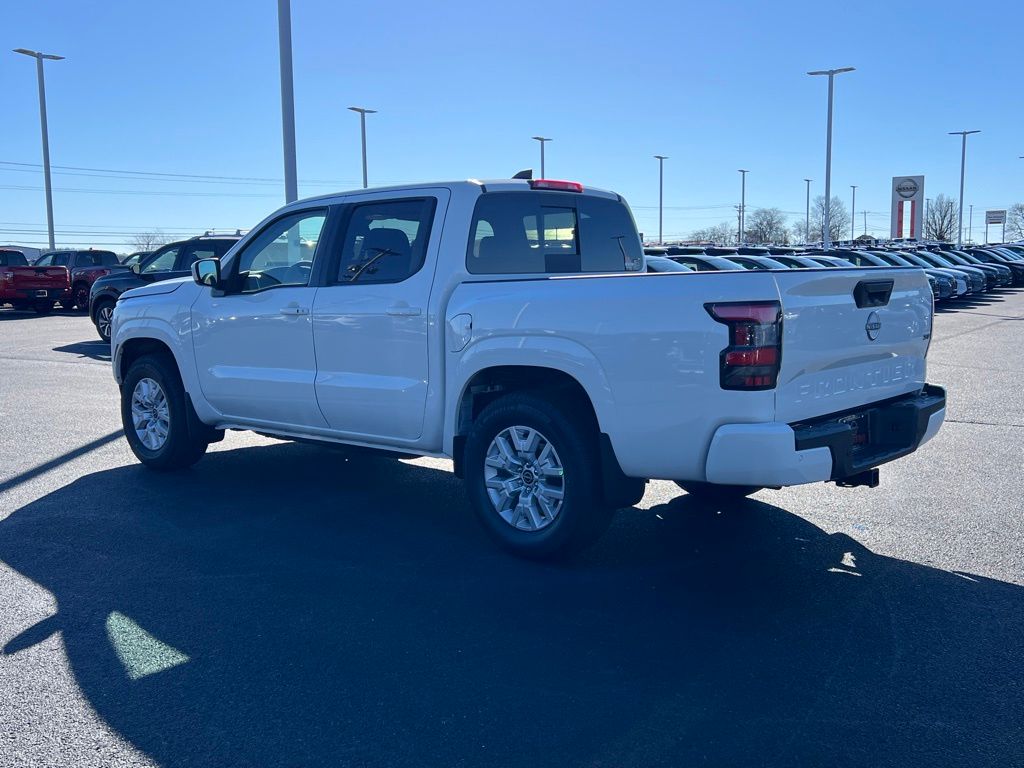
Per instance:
(524,478)
(150,416)
(103,318)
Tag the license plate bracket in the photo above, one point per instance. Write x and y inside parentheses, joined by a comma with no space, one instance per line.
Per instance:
(860,426)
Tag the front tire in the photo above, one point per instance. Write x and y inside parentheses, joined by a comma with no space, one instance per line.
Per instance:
(155,417)
(102,317)
(533,474)
(718,494)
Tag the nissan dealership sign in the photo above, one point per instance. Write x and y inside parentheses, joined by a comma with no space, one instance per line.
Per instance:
(907,207)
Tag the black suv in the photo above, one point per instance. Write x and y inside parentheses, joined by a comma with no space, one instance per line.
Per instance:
(173,260)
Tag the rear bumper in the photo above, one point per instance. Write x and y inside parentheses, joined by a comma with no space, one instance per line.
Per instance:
(823,449)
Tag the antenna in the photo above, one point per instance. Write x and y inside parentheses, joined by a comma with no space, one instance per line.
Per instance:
(524,174)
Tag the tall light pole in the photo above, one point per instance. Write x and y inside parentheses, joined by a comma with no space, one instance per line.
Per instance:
(853,213)
(807,220)
(45,131)
(542,140)
(963,165)
(363,112)
(661,192)
(743,202)
(284,43)
(828,148)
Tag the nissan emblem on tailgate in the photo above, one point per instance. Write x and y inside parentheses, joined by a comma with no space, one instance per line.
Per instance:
(873,325)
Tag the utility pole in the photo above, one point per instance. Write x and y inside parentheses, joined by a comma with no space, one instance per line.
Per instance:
(661,193)
(45,131)
(807,221)
(853,213)
(284,41)
(970,226)
(743,202)
(826,235)
(542,140)
(363,112)
(963,164)
(865,221)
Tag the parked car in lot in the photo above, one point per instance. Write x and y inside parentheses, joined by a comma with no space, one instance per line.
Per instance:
(359,319)
(706,263)
(170,261)
(1003,274)
(794,261)
(944,286)
(663,264)
(988,280)
(25,286)
(1006,256)
(757,262)
(84,267)
(975,280)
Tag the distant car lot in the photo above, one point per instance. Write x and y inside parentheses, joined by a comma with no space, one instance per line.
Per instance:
(248,613)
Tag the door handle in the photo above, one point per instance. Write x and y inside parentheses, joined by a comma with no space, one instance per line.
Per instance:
(403,310)
(294,310)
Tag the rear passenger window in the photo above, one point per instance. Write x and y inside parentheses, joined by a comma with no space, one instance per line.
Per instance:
(386,241)
(538,233)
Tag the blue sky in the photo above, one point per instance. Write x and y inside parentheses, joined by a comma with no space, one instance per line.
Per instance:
(192,88)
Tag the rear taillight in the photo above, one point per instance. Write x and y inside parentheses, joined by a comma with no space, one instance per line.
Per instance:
(752,359)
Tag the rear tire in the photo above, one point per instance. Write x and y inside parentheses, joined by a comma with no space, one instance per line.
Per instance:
(79,298)
(533,474)
(718,494)
(154,413)
(102,315)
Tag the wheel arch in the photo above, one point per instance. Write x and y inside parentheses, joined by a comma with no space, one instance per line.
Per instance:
(493,382)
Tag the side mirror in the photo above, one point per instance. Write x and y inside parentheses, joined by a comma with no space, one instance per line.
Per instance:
(207,272)
(136,268)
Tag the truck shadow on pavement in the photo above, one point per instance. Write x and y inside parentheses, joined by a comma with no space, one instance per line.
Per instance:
(285,605)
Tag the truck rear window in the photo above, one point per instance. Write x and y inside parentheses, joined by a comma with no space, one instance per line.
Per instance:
(549,233)
(12,259)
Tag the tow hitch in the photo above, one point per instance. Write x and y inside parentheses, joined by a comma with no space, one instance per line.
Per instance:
(869,478)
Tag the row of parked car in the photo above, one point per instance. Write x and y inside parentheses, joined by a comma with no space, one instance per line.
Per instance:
(92,280)
(952,272)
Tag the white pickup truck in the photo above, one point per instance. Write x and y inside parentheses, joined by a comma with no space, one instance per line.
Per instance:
(509,325)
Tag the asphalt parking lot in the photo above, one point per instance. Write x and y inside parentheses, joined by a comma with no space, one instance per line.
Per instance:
(285,605)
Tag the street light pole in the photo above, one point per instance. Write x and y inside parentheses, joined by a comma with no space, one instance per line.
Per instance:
(853,213)
(743,203)
(363,112)
(807,220)
(45,131)
(661,192)
(284,42)
(970,226)
(542,140)
(963,165)
(828,149)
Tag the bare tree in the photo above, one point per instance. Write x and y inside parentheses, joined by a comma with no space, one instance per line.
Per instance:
(940,223)
(721,234)
(766,225)
(148,241)
(838,219)
(1015,222)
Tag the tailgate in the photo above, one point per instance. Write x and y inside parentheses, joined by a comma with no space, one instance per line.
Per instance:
(850,337)
(27,278)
